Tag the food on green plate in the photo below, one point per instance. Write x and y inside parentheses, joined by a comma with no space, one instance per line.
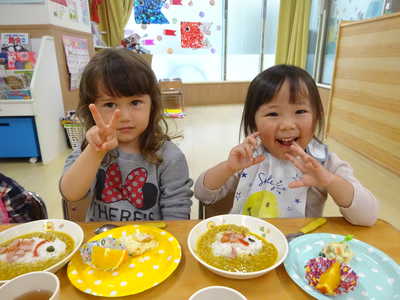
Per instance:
(234,248)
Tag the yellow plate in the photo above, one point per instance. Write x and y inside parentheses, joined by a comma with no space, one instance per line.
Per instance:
(136,274)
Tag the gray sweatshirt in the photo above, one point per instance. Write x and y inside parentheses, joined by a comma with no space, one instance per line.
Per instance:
(129,188)
(362,211)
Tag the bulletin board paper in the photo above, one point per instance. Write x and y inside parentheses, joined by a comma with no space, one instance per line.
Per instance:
(77,56)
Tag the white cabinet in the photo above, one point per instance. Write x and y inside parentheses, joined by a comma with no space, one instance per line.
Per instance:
(46,106)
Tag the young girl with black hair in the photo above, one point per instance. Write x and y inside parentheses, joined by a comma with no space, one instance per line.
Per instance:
(282,169)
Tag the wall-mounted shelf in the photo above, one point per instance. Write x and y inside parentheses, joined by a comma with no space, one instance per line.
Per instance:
(45,110)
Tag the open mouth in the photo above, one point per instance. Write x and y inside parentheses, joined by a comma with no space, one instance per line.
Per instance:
(287,141)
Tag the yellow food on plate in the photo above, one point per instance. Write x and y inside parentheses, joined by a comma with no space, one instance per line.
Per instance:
(330,280)
(138,243)
(106,258)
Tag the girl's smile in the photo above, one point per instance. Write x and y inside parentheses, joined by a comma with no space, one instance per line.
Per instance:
(281,123)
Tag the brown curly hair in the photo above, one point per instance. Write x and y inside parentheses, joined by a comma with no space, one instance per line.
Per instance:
(123,73)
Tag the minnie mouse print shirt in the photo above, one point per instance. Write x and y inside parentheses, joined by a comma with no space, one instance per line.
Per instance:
(129,188)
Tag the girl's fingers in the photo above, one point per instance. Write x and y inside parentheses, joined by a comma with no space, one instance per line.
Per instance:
(297,150)
(296,184)
(96,116)
(309,161)
(242,152)
(258,159)
(249,150)
(110,145)
(252,140)
(115,118)
(297,162)
(97,141)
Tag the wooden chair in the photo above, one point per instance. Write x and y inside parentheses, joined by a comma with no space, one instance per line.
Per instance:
(221,207)
(75,210)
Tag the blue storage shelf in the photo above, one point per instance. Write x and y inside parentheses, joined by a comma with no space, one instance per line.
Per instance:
(19,137)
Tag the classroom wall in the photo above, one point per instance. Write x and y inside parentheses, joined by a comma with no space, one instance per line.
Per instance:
(11,14)
(47,12)
(209,93)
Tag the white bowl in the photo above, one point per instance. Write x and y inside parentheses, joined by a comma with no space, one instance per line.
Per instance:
(30,282)
(65,226)
(255,225)
(217,292)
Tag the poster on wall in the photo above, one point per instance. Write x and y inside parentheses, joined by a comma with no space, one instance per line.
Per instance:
(85,12)
(70,13)
(77,56)
(73,10)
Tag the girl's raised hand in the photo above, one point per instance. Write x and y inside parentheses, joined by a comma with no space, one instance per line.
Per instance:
(314,174)
(103,136)
(241,156)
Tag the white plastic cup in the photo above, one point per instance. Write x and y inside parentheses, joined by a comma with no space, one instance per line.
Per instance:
(217,292)
(30,282)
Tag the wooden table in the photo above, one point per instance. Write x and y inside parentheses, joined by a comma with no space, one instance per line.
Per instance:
(191,276)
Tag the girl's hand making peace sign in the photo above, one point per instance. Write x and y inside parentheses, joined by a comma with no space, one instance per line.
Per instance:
(103,136)
(241,156)
(314,174)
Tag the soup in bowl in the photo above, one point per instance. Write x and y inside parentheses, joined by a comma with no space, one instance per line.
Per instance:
(43,245)
(237,246)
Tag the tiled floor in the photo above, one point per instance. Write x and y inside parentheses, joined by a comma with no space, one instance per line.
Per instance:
(209,133)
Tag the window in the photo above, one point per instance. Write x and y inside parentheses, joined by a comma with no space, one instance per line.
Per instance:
(324,23)
(243,43)
(208,40)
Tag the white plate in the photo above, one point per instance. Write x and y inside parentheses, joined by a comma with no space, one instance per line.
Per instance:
(65,226)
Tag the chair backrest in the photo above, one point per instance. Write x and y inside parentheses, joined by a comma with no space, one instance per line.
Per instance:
(36,207)
(221,207)
(75,210)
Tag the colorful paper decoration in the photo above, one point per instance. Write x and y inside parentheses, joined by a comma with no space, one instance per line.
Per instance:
(148,42)
(192,36)
(176,2)
(169,32)
(149,12)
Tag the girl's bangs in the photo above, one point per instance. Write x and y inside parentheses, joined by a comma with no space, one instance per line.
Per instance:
(122,78)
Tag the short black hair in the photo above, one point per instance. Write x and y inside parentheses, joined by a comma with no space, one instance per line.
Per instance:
(267,84)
